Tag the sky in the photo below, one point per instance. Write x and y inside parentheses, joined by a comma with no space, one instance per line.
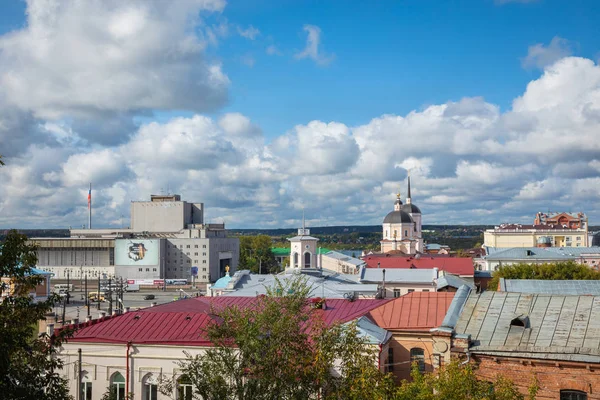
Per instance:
(262,109)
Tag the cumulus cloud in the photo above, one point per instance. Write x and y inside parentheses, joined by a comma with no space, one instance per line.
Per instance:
(313,48)
(75,58)
(540,56)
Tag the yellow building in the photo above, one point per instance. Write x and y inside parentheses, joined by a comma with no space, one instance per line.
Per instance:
(535,236)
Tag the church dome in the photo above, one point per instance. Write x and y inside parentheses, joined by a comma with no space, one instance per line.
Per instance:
(398,217)
(411,208)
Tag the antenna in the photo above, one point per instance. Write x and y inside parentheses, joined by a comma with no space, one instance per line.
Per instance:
(303,220)
(90,207)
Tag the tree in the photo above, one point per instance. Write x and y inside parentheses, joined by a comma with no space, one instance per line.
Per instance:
(279,348)
(29,368)
(256,254)
(565,270)
(458,382)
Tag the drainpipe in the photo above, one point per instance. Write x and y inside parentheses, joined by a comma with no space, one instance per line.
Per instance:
(380,351)
(467,360)
(127,369)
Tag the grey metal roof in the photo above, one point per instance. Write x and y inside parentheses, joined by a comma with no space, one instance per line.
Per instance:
(411,208)
(398,217)
(345,258)
(298,238)
(452,281)
(371,332)
(575,251)
(528,253)
(559,327)
(397,275)
(570,287)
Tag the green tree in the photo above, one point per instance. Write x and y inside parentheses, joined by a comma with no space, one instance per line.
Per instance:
(29,368)
(566,270)
(280,349)
(256,254)
(457,382)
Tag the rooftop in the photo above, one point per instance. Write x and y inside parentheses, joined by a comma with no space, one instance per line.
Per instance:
(181,322)
(553,327)
(419,276)
(462,266)
(570,287)
(527,253)
(416,311)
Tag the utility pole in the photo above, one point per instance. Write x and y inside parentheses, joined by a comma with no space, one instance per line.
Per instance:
(98,292)
(79,375)
(110,296)
(87,299)
(68,285)
(64,310)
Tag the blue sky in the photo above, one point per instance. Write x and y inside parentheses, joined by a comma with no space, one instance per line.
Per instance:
(262,108)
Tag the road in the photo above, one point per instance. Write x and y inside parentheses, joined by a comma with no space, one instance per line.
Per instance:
(78,309)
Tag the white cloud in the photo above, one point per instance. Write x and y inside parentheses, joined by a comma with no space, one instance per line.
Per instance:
(80,58)
(540,56)
(272,50)
(249,33)
(312,50)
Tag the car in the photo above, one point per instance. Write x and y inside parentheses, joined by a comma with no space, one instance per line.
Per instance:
(149,297)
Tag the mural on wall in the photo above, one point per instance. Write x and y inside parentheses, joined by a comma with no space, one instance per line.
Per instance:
(136,252)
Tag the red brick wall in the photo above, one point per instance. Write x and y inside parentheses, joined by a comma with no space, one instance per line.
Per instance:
(551,378)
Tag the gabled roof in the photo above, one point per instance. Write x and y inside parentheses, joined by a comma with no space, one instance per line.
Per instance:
(420,276)
(416,311)
(182,322)
(570,287)
(462,266)
(449,280)
(556,327)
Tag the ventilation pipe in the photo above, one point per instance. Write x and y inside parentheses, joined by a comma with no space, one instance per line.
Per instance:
(50,330)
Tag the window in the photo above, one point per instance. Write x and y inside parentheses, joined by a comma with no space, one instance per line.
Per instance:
(395,233)
(117,386)
(184,388)
(187,254)
(153,269)
(181,246)
(196,254)
(411,290)
(188,246)
(307,257)
(140,269)
(196,246)
(405,233)
(149,387)
(426,290)
(390,361)
(204,269)
(195,261)
(203,261)
(417,355)
(147,269)
(203,254)
(203,246)
(572,395)
(86,386)
(396,292)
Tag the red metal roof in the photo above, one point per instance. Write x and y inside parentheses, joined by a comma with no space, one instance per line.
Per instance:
(416,311)
(462,266)
(182,322)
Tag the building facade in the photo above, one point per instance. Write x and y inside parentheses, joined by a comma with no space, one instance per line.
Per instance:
(181,246)
(402,227)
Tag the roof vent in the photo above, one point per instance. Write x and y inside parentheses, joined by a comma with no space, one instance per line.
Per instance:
(137,317)
(530,253)
(521,321)
(188,318)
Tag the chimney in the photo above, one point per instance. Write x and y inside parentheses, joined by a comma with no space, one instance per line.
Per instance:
(114,313)
(153,304)
(50,330)
(436,273)
(102,314)
(88,318)
(378,265)
(126,309)
(383,273)
(74,321)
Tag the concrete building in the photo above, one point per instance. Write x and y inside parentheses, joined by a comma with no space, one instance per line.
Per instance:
(168,239)
(341,263)
(548,230)
(402,227)
(303,251)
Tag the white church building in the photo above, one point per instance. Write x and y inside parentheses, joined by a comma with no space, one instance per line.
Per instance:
(402,227)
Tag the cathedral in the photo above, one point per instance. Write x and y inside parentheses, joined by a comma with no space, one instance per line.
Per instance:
(402,227)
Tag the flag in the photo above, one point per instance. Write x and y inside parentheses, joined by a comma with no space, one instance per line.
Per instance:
(90,198)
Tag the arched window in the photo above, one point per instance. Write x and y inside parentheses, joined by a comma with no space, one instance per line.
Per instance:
(185,389)
(572,395)
(418,354)
(149,387)
(86,386)
(117,386)
(295,264)
(406,233)
(307,257)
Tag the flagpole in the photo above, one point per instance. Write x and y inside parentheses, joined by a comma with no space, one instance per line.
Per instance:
(90,207)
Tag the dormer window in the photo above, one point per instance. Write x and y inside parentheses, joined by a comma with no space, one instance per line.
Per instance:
(521,321)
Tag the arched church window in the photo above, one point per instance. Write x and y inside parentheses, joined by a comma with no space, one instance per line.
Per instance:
(307,257)
(395,233)
(295,260)
(406,232)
